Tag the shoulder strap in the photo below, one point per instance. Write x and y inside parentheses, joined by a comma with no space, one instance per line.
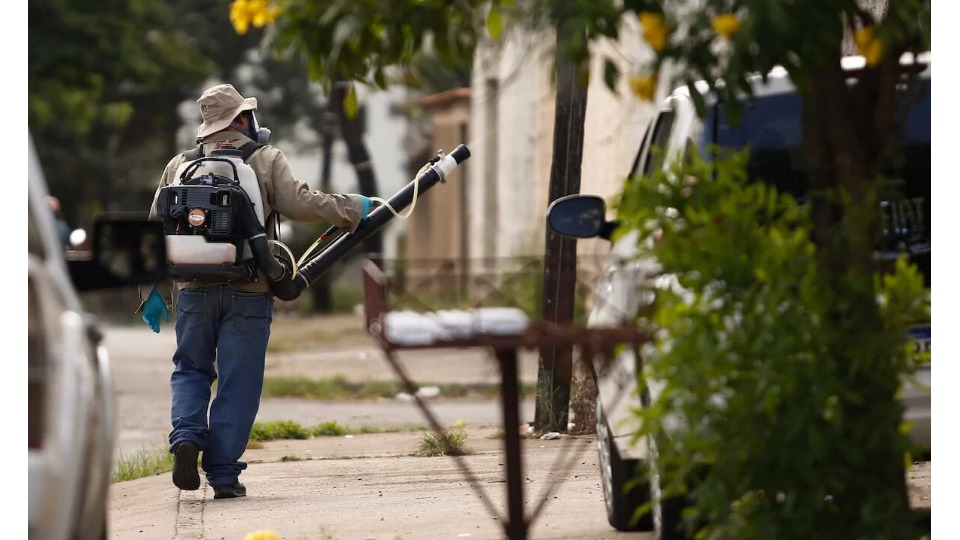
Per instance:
(193,154)
(248,149)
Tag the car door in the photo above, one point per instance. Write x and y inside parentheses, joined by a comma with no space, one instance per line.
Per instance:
(60,395)
(629,278)
(70,410)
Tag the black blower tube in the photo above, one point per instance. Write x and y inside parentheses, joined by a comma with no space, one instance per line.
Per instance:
(289,289)
(253,231)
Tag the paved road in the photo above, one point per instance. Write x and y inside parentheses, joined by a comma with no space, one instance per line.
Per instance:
(367,486)
(370,487)
(141,367)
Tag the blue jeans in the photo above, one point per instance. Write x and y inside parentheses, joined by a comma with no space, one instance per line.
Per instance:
(222,334)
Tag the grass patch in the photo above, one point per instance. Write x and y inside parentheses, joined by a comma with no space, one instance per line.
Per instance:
(159,460)
(143,464)
(451,443)
(329,429)
(404,428)
(338,388)
(288,429)
(281,429)
(334,388)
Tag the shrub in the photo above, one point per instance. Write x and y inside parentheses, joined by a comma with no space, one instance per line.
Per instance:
(329,429)
(776,425)
(282,429)
(451,443)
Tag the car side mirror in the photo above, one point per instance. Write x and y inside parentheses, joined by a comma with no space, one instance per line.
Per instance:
(128,250)
(580,216)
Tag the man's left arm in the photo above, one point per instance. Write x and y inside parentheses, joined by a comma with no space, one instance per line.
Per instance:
(295,200)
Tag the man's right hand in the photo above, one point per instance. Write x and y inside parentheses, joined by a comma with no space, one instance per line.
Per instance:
(153,309)
(365,204)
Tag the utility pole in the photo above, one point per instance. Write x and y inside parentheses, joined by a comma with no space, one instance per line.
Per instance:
(555,370)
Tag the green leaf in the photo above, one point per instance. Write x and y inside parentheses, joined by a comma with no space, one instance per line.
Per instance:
(350,106)
(495,22)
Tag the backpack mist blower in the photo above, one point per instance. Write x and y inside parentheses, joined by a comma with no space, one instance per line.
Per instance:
(213,219)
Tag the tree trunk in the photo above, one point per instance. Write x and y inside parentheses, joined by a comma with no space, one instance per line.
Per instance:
(843,160)
(351,131)
(560,260)
(320,289)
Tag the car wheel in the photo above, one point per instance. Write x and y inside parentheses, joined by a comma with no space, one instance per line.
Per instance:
(667,512)
(615,476)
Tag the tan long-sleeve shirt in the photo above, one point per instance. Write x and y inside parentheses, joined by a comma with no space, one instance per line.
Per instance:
(280,192)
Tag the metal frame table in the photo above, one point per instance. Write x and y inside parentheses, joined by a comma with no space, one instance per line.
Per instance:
(539,334)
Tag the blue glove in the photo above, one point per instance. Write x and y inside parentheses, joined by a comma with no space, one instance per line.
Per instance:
(153,309)
(365,204)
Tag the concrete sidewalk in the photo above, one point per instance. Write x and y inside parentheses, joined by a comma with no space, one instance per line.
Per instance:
(374,487)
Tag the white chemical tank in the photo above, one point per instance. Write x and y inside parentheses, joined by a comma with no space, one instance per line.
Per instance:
(194,249)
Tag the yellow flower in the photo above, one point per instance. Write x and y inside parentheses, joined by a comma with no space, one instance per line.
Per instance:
(726,25)
(642,86)
(262,535)
(260,13)
(654,29)
(869,45)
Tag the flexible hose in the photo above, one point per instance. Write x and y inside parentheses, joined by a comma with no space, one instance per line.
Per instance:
(283,246)
(432,173)
(384,202)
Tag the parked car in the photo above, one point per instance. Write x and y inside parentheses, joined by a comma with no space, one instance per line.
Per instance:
(71,417)
(771,126)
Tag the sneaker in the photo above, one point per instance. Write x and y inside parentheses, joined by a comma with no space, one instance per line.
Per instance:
(229,491)
(185,474)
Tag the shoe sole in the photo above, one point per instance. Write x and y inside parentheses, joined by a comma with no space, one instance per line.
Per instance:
(228,495)
(185,474)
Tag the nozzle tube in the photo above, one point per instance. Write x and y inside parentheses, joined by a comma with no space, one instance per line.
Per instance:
(379,216)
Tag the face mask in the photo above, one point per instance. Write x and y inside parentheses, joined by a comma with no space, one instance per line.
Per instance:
(259,134)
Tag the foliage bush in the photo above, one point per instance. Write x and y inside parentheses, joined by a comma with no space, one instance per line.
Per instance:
(282,429)
(451,443)
(771,433)
(331,428)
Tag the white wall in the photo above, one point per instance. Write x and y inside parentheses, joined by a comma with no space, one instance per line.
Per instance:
(508,219)
(511,134)
(615,121)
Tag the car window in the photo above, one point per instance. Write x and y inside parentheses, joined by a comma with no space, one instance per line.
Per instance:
(641,151)
(771,127)
(906,204)
(658,141)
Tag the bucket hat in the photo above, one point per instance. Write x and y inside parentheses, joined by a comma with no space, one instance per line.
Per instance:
(219,105)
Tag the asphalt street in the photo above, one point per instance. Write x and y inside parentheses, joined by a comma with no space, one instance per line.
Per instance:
(141,365)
